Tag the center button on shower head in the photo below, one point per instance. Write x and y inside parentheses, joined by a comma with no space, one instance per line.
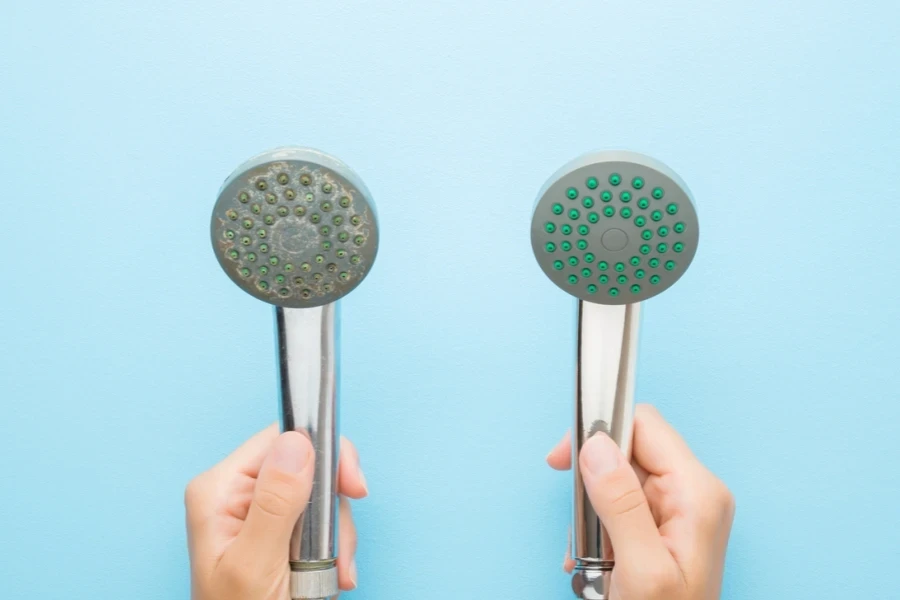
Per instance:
(614,240)
(295,237)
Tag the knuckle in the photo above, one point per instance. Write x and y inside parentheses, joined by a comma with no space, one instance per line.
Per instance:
(195,491)
(726,498)
(275,499)
(627,500)
(717,504)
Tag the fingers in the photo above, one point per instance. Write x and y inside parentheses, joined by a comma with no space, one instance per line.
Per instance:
(560,458)
(346,562)
(640,471)
(568,562)
(351,481)
(619,501)
(248,458)
(657,447)
(282,492)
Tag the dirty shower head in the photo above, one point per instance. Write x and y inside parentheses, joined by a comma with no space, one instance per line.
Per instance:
(614,227)
(295,227)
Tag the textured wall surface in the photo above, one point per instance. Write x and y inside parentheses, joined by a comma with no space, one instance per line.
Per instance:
(130,362)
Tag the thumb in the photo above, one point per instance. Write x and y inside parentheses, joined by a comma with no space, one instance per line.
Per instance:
(281,494)
(619,501)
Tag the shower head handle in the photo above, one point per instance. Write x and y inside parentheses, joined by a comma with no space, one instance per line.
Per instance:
(308,351)
(607,339)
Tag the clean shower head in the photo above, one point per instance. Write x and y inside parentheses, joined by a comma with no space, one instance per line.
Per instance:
(295,227)
(614,227)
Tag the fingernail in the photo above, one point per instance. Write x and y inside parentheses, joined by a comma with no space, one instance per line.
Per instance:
(362,479)
(291,452)
(600,454)
(353,573)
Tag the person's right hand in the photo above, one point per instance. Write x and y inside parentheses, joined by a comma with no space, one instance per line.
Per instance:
(241,513)
(668,517)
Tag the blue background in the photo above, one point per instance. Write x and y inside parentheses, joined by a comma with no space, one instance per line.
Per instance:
(130,362)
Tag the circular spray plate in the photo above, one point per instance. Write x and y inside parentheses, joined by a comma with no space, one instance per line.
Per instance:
(616,228)
(294,232)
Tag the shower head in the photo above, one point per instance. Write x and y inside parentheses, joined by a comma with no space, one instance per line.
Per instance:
(295,227)
(614,227)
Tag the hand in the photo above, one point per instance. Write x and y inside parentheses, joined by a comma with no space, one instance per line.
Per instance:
(240,515)
(668,517)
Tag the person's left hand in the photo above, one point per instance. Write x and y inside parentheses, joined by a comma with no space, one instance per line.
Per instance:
(240,515)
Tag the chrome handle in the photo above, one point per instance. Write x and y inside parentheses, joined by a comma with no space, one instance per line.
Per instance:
(607,342)
(307,346)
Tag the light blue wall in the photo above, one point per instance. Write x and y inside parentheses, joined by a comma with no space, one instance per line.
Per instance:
(130,362)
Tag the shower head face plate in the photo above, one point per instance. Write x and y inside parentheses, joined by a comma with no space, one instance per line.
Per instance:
(295,227)
(614,228)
